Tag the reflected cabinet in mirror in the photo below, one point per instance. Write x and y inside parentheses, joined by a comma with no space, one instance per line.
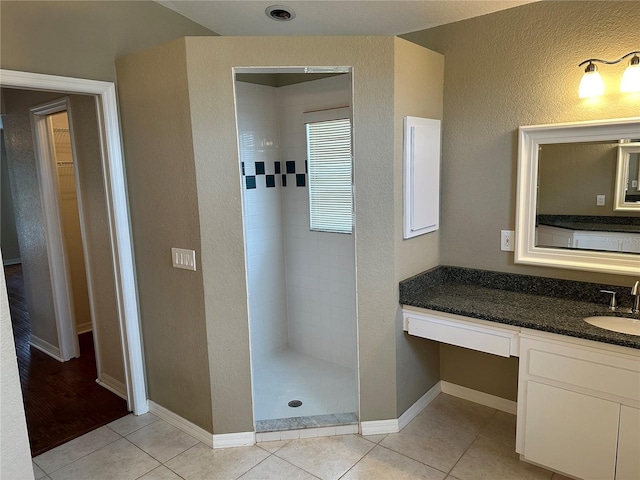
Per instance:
(578,200)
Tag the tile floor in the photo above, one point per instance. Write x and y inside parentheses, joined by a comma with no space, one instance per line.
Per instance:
(451,439)
(323,387)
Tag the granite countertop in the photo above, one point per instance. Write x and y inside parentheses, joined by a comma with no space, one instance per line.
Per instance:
(592,223)
(556,306)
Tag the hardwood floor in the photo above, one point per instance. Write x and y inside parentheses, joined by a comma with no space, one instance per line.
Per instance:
(62,400)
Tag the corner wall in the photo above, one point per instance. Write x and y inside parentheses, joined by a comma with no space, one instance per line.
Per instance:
(418,85)
(161,179)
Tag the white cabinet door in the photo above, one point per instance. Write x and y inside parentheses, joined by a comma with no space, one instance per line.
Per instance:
(573,433)
(628,465)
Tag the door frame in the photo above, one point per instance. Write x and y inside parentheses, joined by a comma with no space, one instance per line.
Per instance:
(117,211)
(57,252)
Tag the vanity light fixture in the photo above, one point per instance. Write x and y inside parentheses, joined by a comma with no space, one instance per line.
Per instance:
(592,85)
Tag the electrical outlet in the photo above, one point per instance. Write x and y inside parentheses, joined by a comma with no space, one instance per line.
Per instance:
(600,200)
(507,238)
(183,258)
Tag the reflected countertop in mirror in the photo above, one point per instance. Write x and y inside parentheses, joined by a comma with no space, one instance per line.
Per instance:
(592,223)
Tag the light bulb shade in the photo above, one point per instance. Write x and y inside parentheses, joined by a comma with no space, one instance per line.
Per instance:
(631,77)
(591,84)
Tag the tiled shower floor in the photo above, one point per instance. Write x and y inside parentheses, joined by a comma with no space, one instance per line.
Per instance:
(285,375)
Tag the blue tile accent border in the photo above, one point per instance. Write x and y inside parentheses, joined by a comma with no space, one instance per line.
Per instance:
(260,168)
(291,166)
(250,181)
(300,180)
(271,181)
(276,166)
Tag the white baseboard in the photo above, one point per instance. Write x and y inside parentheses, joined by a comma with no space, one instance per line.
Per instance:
(227,440)
(111,384)
(382,427)
(183,424)
(11,261)
(413,411)
(84,327)
(379,427)
(482,398)
(45,347)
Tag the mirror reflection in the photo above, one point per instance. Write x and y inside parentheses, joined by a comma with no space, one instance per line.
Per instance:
(577,206)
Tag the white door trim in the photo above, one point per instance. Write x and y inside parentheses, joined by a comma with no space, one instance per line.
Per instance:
(54,236)
(118,213)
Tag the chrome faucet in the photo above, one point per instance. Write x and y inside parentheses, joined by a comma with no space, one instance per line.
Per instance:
(635,291)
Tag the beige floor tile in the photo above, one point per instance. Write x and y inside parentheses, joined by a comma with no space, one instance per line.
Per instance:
(202,462)
(428,441)
(37,472)
(490,460)
(374,438)
(119,460)
(326,457)
(71,451)
(274,468)
(273,447)
(501,428)
(161,440)
(458,412)
(384,464)
(129,424)
(161,473)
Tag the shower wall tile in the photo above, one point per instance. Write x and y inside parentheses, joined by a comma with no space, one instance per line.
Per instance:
(320,267)
(259,152)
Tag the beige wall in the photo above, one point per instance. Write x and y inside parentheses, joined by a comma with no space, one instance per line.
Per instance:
(82,39)
(29,221)
(570,176)
(163,201)
(511,68)
(15,459)
(418,85)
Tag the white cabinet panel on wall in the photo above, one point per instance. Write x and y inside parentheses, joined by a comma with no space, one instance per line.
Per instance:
(628,464)
(421,176)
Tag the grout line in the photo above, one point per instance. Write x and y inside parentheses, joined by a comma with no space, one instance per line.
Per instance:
(259,463)
(463,454)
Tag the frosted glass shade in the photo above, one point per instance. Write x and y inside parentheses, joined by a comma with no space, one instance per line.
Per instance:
(631,79)
(591,85)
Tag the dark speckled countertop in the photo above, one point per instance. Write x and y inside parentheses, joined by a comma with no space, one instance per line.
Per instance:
(550,305)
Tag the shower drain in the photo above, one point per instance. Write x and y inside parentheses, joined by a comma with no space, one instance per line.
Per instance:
(294,403)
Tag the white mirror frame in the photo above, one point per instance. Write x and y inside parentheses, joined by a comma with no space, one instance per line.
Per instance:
(529,141)
(622,174)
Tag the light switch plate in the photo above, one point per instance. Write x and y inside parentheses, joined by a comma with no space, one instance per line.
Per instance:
(507,238)
(600,200)
(183,258)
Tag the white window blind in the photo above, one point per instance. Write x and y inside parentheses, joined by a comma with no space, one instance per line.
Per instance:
(330,175)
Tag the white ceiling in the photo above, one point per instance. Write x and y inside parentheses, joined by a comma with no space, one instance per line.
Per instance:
(329,17)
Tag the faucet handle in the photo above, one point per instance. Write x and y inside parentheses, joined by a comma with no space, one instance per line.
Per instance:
(613,304)
(635,290)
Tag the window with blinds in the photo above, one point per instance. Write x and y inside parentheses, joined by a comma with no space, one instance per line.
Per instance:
(330,175)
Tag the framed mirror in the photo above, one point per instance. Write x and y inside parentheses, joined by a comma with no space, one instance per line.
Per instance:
(627,196)
(566,214)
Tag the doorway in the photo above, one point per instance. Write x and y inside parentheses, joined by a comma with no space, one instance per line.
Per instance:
(299,246)
(118,237)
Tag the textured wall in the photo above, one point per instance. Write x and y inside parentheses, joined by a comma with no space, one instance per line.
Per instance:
(97,237)
(28,209)
(9,238)
(15,460)
(163,202)
(511,68)
(82,39)
(419,74)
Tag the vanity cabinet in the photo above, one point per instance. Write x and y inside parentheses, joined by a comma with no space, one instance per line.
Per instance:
(579,407)
(548,236)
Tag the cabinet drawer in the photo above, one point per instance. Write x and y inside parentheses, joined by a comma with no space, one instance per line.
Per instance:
(585,373)
(462,333)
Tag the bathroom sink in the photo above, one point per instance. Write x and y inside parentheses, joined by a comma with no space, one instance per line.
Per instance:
(616,324)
